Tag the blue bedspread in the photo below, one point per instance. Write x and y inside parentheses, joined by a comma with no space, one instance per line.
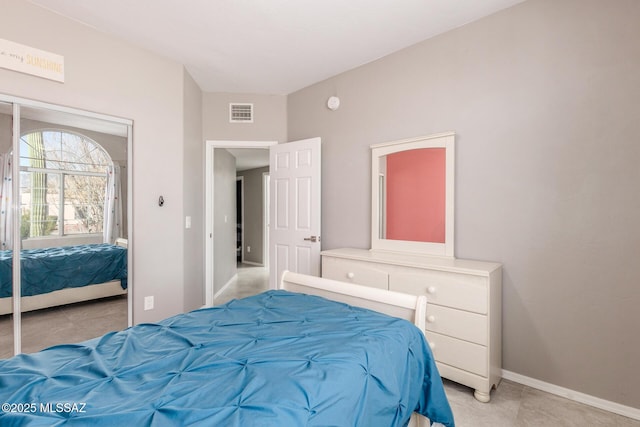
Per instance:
(52,269)
(276,359)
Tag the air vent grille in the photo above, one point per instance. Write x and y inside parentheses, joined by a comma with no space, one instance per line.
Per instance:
(241,113)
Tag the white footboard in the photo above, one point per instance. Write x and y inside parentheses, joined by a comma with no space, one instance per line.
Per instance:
(404,306)
(409,307)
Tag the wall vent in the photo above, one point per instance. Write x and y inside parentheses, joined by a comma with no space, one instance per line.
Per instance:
(241,113)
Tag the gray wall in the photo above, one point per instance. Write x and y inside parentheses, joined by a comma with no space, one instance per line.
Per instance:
(224,230)
(193,200)
(253,214)
(544,100)
(269,122)
(106,75)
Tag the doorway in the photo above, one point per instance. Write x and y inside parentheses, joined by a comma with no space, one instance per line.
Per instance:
(221,248)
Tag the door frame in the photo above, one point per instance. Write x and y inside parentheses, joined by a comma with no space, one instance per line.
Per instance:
(17,103)
(240,179)
(266,200)
(209,199)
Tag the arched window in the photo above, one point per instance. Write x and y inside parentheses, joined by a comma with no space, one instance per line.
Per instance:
(63,176)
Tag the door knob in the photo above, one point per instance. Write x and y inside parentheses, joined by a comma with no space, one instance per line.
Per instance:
(312,239)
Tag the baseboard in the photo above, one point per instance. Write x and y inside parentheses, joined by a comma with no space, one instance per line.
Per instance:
(576,396)
(257,264)
(224,288)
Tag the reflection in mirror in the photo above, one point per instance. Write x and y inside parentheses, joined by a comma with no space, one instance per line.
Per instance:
(74,276)
(6,317)
(412,195)
(67,244)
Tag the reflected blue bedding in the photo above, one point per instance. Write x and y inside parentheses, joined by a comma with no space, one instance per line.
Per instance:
(274,359)
(52,269)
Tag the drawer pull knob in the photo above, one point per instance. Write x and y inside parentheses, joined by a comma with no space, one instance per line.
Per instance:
(350,275)
(431,318)
(431,290)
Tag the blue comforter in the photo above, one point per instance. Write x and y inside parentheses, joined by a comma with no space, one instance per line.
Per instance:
(277,359)
(52,269)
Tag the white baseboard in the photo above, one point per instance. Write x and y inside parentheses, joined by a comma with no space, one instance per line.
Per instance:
(576,396)
(253,263)
(224,288)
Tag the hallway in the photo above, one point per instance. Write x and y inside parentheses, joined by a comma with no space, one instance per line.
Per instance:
(251,280)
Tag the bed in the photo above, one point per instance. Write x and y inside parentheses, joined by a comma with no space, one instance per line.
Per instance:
(64,275)
(285,357)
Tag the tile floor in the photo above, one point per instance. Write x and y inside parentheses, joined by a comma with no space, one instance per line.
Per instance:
(251,280)
(512,404)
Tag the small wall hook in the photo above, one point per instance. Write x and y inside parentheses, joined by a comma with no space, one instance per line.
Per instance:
(160,201)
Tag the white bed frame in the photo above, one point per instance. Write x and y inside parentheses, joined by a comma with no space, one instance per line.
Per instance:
(409,307)
(67,295)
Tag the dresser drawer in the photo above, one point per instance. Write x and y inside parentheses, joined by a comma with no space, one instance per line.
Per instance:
(457,323)
(361,273)
(463,316)
(456,290)
(461,354)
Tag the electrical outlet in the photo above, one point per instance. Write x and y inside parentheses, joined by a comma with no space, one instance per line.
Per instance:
(248,249)
(148,303)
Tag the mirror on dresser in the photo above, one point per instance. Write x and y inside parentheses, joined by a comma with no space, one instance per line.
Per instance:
(412,252)
(412,183)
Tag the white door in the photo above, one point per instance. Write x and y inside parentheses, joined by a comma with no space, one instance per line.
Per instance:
(294,241)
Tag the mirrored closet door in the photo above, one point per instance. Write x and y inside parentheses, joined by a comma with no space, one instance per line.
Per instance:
(70,205)
(6,228)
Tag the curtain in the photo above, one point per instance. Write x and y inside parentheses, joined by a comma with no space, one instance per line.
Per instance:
(112,205)
(6,211)
(38,213)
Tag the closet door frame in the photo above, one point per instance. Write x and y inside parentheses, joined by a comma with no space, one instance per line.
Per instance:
(17,103)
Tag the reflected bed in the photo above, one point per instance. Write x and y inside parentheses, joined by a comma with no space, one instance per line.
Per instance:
(63,275)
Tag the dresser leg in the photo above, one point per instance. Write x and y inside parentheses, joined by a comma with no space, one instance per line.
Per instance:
(482,396)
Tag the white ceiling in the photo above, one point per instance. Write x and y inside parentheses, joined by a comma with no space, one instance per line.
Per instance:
(272,46)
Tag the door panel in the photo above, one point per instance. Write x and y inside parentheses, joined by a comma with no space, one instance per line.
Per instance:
(281,194)
(303,204)
(295,208)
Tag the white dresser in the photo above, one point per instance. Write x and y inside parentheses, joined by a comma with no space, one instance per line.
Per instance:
(463,324)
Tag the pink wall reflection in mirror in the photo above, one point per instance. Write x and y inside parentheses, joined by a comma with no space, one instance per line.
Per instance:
(416,195)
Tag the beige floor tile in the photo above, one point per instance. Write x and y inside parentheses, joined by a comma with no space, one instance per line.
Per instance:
(6,336)
(86,311)
(66,324)
(251,280)
(501,411)
(542,409)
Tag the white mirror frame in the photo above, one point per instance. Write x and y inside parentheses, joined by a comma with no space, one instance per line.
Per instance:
(441,140)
